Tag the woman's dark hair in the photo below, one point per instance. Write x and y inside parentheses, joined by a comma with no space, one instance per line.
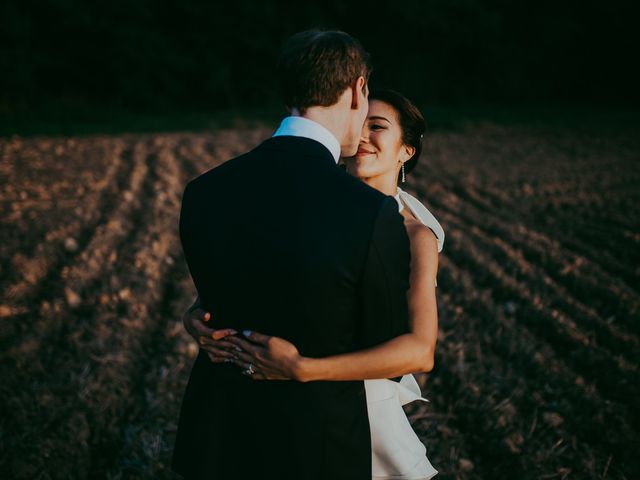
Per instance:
(316,66)
(411,120)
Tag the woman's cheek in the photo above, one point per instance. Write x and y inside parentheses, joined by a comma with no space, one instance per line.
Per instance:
(370,164)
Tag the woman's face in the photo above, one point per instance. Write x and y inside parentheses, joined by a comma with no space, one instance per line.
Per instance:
(380,151)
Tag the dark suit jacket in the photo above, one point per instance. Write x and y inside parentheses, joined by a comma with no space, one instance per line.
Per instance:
(282,241)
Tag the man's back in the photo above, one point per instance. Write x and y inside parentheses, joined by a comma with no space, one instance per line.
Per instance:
(283,242)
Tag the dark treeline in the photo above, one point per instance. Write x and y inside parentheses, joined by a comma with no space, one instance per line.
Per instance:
(145,55)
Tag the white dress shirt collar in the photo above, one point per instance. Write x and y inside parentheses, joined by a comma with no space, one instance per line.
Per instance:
(303,127)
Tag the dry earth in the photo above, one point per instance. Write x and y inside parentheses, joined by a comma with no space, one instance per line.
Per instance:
(537,370)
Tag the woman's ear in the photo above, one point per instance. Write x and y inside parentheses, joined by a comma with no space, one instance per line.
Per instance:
(407,152)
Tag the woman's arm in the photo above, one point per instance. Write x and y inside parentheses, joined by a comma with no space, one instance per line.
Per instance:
(275,358)
(409,353)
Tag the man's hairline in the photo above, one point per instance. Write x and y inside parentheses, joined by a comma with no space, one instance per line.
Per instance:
(303,109)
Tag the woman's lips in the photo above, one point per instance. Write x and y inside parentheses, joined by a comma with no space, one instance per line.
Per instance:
(361,151)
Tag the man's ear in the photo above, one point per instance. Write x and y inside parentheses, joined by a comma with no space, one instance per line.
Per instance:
(358,92)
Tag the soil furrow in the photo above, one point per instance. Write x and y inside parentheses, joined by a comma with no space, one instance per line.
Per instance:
(489,355)
(610,298)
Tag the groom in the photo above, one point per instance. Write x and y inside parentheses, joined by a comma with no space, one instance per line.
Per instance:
(281,240)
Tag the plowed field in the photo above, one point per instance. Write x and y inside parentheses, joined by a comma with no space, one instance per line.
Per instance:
(537,370)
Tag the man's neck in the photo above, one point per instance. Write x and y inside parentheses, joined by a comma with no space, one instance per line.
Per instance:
(329,118)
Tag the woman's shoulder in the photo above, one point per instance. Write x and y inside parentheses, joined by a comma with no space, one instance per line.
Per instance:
(424,218)
(421,236)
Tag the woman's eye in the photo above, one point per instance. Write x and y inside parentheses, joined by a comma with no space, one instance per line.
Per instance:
(376,127)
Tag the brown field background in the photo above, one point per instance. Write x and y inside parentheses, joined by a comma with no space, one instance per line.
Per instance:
(539,296)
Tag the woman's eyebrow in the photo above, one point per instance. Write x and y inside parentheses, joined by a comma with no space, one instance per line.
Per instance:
(379,118)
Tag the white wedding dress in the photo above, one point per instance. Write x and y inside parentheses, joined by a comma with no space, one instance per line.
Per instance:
(397,452)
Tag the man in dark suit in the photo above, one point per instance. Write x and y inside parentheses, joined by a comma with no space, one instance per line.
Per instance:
(281,240)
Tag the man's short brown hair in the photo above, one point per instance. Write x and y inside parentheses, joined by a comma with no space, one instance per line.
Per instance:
(316,66)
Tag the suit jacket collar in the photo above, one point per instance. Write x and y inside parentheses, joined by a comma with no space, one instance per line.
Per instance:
(299,145)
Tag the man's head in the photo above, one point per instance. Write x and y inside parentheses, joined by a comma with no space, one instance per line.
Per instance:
(327,69)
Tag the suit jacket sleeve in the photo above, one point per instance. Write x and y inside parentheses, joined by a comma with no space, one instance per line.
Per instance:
(184,223)
(187,226)
(385,279)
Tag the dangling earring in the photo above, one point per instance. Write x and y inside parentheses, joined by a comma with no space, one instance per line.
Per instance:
(403,177)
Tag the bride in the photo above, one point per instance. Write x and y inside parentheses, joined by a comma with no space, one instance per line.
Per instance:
(389,148)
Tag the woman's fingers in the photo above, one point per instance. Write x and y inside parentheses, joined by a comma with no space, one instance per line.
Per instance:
(221,344)
(244,363)
(260,372)
(243,344)
(197,320)
(218,334)
(256,337)
(245,358)
(194,322)
(256,375)
(217,359)
(201,314)
(217,352)
(226,349)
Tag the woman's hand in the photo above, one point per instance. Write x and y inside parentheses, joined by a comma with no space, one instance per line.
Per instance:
(195,322)
(271,358)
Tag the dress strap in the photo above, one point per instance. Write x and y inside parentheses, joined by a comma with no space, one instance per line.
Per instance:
(423,214)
